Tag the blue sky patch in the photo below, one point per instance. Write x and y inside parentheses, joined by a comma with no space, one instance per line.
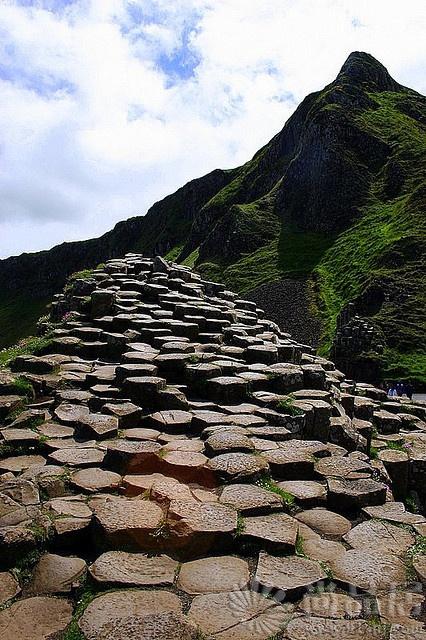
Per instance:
(44,85)
(181,64)
(135,112)
(50,5)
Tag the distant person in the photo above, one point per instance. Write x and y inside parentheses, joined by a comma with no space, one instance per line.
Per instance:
(392,391)
(399,389)
(409,390)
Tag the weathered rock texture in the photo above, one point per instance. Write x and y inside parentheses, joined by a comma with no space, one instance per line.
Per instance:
(192,458)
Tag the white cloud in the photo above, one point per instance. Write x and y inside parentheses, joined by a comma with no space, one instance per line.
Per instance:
(108,105)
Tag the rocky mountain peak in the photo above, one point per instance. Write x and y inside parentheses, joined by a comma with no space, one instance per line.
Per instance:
(310,206)
(363,68)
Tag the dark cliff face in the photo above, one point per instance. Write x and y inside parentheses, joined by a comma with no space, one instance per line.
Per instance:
(320,165)
(335,197)
(336,159)
(46,271)
(330,176)
(363,70)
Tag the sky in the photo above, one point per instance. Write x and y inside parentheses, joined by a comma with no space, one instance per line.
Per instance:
(107,106)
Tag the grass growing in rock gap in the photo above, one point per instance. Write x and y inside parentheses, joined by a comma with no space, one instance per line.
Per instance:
(286,405)
(23,568)
(73,632)
(41,534)
(22,387)
(13,415)
(240,526)
(419,548)
(273,375)
(375,622)
(270,485)
(374,453)
(162,531)
(299,545)
(85,595)
(411,504)
(7,450)
(324,566)
(77,275)
(396,446)
(34,421)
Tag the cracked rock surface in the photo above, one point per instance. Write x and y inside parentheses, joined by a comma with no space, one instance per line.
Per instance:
(173,465)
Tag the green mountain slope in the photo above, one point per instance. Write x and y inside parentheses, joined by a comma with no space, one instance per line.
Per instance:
(337,198)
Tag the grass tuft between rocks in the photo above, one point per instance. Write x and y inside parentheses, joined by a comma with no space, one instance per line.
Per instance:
(22,387)
(286,406)
(240,526)
(419,548)
(270,485)
(86,595)
(23,568)
(299,548)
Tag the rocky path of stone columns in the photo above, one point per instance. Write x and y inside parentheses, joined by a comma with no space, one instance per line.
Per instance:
(185,470)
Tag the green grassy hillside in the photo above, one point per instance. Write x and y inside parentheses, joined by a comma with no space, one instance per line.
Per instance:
(337,197)
(386,248)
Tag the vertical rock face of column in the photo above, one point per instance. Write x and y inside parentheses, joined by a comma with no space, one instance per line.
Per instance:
(176,445)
